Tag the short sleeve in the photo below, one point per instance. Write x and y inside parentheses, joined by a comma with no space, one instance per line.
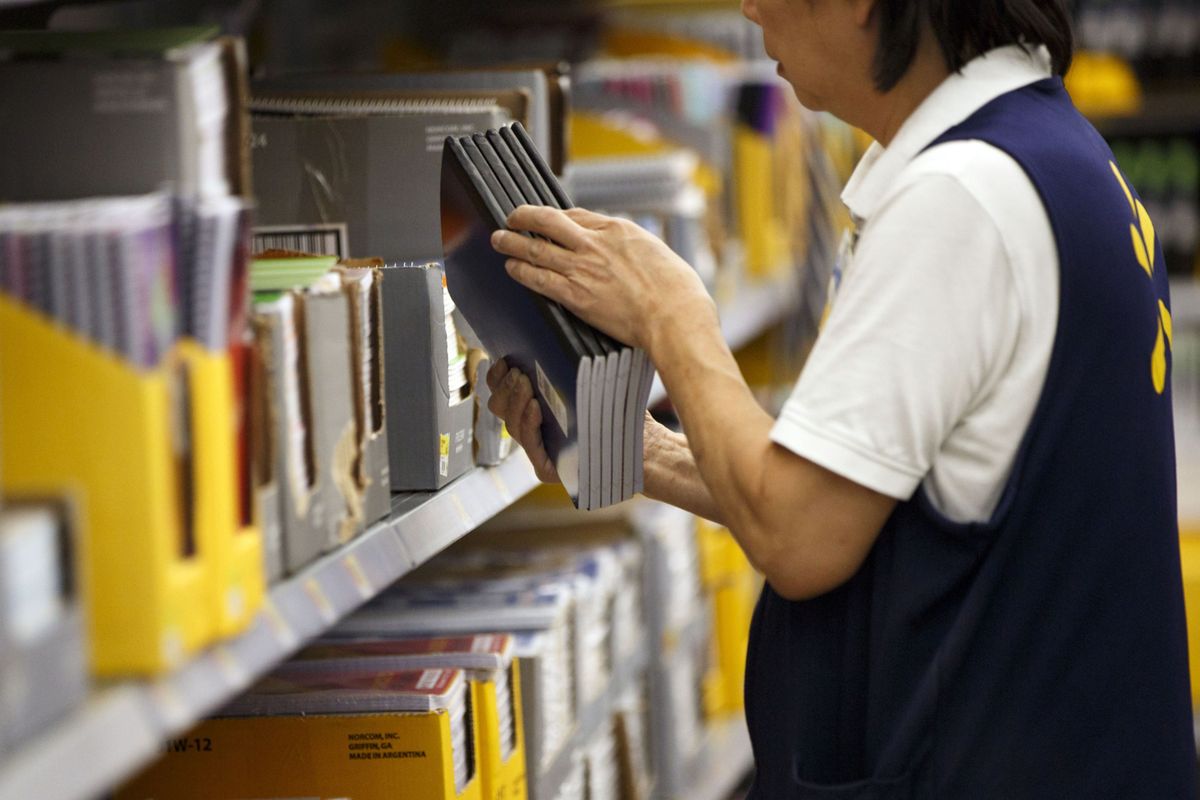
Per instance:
(921,325)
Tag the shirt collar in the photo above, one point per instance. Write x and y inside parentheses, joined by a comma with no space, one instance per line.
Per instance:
(980,81)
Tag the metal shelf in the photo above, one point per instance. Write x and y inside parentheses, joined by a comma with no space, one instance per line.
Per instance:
(122,727)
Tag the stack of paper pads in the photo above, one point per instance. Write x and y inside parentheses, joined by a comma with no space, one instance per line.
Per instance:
(592,390)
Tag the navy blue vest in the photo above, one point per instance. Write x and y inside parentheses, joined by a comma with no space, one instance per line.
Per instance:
(1042,654)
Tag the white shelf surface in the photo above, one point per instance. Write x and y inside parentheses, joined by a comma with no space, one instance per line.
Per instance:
(123,726)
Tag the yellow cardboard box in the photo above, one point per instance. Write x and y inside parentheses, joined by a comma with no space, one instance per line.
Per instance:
(236,578)
(502,775)
(364,757)
(77,421)
(1190,551)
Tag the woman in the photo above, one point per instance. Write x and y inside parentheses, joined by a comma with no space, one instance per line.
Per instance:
(966,512)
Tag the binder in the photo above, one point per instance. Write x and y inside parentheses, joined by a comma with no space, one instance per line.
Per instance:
(430,425)
(146,566)
(43,672)
(592,435)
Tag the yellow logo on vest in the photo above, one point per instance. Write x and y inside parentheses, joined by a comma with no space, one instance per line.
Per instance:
(1141,231)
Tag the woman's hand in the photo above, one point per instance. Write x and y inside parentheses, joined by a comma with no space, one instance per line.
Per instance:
(512,401)
(610,272)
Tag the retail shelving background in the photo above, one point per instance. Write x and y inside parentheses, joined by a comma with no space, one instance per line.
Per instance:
(123,726)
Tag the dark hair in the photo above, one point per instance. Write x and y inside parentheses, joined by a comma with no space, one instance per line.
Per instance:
(965,29)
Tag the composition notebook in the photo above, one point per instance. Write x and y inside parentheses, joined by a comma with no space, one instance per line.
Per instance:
(592,389)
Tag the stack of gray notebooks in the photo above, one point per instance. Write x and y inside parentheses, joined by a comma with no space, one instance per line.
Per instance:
(592,390)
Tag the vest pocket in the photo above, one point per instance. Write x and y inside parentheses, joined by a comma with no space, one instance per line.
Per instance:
(900,788)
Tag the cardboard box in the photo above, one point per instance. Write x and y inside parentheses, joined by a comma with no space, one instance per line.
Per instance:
(360,756)
(236,578)
(140,103)
(501,748)
(300,503)
(378,174)
(146,565)
(362,287)
(430,430)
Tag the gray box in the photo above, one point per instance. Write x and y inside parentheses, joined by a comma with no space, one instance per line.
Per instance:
(43,666)
(106,125)
(430,435)
(377,174)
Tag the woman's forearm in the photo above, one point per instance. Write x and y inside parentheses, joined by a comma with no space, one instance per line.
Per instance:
(671,475)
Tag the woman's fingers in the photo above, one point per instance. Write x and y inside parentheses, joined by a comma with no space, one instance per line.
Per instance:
(589,219)
(551,223)
(543,281)
(496,373)
(545,254)
(512,400)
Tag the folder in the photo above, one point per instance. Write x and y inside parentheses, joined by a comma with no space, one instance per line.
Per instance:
(430,421)
(402,734)
(588,430)
(146,567)
(43,672)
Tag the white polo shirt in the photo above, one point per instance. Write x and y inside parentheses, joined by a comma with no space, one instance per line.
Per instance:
(935,350)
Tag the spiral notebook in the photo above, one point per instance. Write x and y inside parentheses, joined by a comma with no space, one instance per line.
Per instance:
(592,390)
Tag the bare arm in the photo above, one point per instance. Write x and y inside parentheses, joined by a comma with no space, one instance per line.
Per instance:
(671,474)
(806,528)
